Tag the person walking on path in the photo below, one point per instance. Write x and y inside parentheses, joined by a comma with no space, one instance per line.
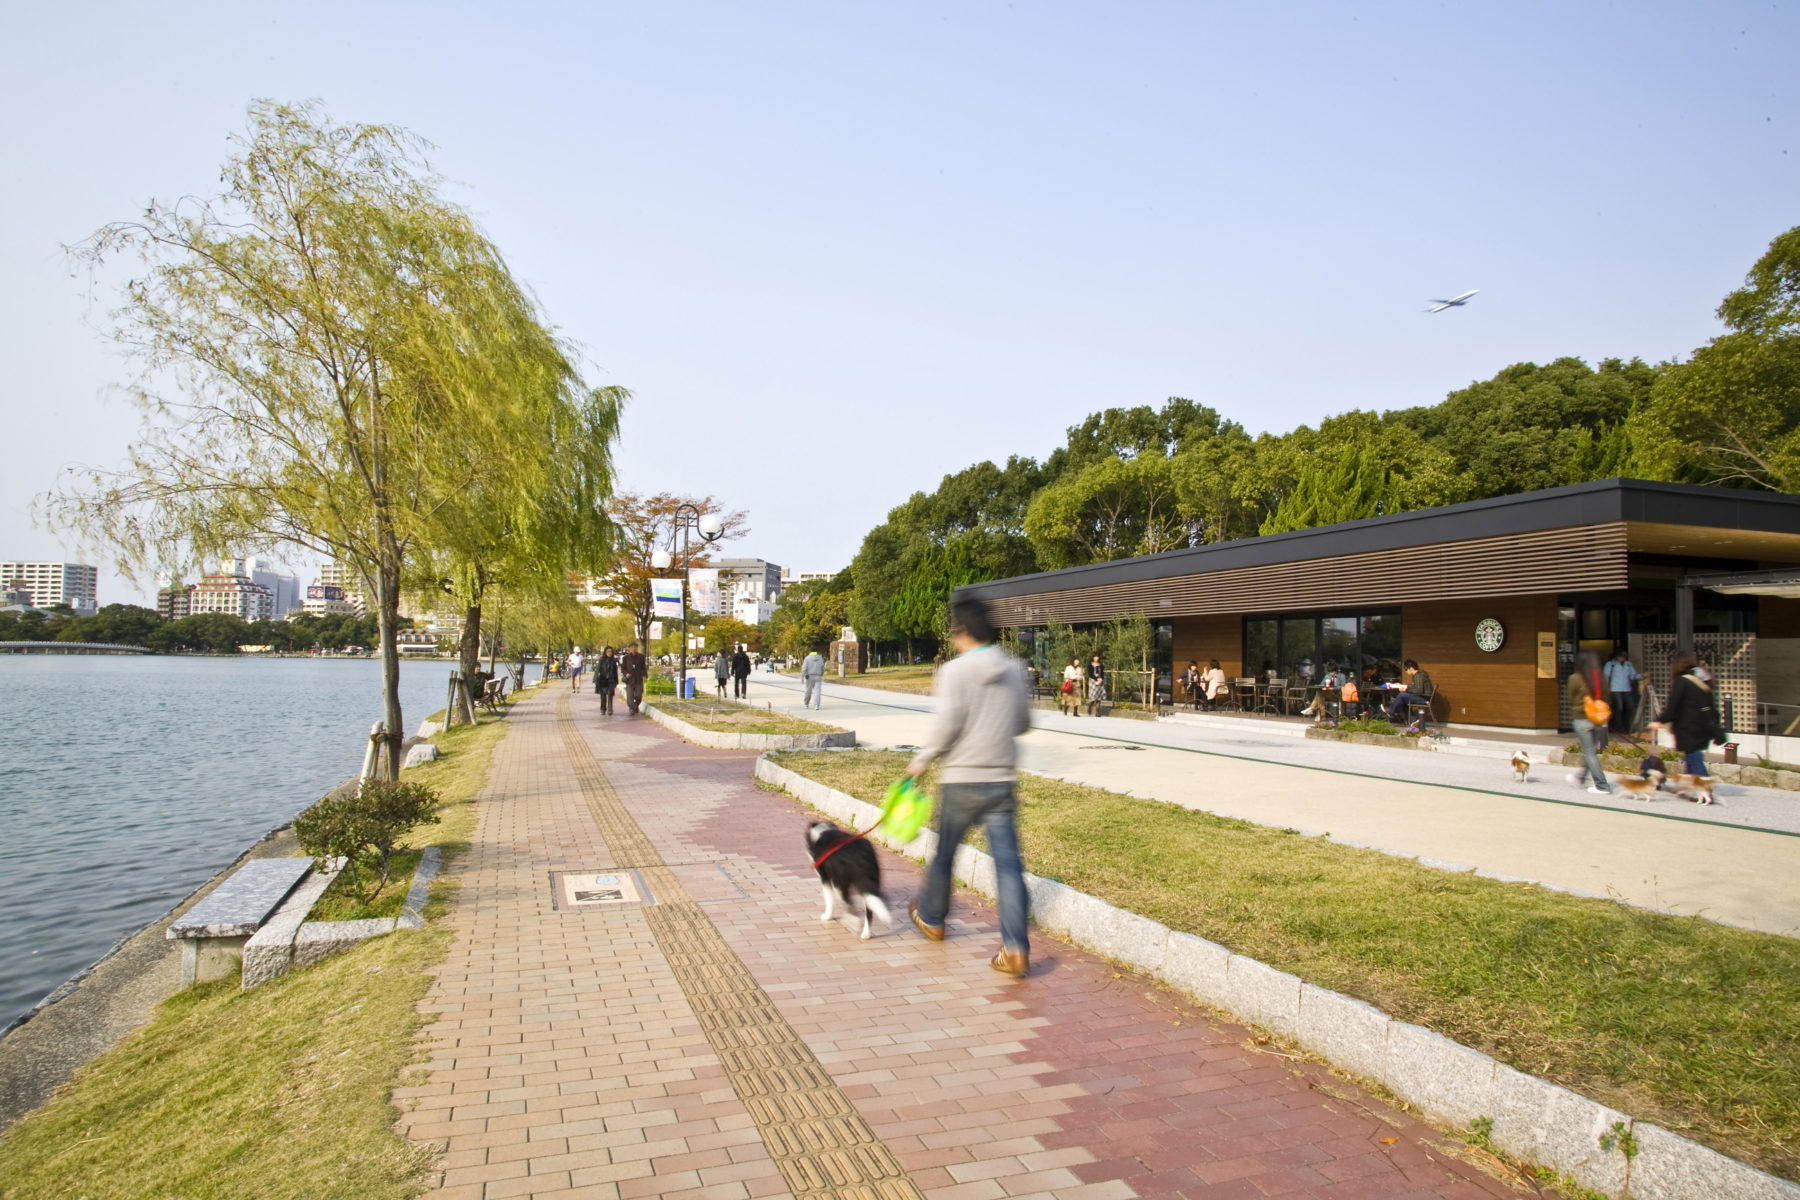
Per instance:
(1096,684)
(633,667)
(812,681)
(1692,713)
(606,679)
(982,708)
(722,670)
(1582,686)
(1070,695)
(1621,688)
(576,663)
(740,673)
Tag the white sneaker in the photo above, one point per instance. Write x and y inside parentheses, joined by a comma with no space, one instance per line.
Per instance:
(1599,791)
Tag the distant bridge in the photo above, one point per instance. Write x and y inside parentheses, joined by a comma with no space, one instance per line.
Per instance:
(70,648)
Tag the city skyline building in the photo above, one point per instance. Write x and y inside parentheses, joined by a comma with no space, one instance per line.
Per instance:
(234,595)
(335,574)
(49,583)
(284,589)
(172,599)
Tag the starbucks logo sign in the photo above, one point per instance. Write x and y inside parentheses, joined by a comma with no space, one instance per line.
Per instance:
(1490,634)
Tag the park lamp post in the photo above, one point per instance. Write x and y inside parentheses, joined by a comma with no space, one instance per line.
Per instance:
(710,527)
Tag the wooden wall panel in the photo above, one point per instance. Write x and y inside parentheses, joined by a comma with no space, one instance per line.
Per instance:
(1777,617)
(1475,687)
(1586,558)
(1219,636)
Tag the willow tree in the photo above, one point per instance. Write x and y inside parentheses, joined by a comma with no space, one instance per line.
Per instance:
(327,363)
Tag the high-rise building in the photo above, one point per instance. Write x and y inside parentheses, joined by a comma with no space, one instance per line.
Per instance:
(172,599)
(285,589)
(74,584)
(336,574)
(747,581)
(237,595)
(325,600)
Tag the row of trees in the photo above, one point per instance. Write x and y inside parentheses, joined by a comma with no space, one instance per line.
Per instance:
(335,358)
(1130,481)
(215,633)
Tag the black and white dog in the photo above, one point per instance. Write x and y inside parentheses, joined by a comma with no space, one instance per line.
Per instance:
(849,872)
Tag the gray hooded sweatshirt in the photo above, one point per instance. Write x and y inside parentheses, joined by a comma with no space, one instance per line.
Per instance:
(982,706)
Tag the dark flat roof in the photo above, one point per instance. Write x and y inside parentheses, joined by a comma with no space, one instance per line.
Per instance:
(1602,502)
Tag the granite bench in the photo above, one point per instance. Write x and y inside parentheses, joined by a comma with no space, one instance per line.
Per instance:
(213,932)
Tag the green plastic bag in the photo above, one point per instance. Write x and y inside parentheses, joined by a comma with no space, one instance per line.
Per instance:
(905,808)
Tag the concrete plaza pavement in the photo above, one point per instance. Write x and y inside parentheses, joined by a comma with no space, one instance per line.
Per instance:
(705,1036)
(1448,810)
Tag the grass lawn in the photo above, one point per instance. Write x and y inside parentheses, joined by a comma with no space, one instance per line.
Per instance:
(277,1093)
(1676,1020)
(731,716)
(915,679)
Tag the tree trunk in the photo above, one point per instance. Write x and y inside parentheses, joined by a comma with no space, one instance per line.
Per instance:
(387,588)
(471,664)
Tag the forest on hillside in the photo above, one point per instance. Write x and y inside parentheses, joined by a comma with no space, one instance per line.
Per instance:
(1142,480)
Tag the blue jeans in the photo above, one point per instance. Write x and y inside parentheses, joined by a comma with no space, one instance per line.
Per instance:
(995,806)
(1397,706)
(1696,761)
(1591,737)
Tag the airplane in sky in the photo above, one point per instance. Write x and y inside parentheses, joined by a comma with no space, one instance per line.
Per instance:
(1453,302)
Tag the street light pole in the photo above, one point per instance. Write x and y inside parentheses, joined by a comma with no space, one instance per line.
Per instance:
(710,528)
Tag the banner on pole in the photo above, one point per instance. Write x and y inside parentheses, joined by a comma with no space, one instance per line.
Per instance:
(655,632)
(703,588)
(665,598)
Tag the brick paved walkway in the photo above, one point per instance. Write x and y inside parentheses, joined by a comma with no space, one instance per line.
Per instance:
(722,1042)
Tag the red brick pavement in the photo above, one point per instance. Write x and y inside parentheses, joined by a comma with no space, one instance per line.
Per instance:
(566,1061)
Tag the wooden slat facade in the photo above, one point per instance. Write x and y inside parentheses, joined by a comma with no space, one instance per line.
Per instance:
(1543,562)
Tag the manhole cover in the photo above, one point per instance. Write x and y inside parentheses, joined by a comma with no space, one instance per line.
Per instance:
(598,889)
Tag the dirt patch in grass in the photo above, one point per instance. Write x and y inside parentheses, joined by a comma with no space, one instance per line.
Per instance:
(728,716)
(279,1093)
(1676,1020)
(916,679)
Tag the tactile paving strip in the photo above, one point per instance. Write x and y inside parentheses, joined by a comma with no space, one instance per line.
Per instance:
(815,1135)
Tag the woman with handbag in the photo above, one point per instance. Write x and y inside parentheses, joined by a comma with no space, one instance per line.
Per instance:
(1588,713)
(1069,698)
(1692,713)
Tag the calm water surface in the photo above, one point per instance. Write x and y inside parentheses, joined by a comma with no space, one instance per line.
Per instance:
(126,782)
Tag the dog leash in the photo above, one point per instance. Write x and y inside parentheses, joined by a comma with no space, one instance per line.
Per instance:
(820,861)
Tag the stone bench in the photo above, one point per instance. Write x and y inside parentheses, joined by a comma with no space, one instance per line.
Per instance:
(213,932)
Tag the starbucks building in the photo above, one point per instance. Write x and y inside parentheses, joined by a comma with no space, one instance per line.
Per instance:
(1493,597)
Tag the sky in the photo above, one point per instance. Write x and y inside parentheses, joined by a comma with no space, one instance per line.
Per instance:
(838,250)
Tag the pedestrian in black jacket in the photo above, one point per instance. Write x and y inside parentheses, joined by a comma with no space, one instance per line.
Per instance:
(1692,712)
(606,679)
(740,672)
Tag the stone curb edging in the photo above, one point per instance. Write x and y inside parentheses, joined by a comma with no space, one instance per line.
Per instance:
(1534,1120)
(713,740)
(288,940)
(1723,772)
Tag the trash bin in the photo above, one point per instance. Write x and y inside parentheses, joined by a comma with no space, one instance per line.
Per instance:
(687,688)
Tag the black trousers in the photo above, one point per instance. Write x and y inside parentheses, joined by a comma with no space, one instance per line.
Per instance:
(740,682)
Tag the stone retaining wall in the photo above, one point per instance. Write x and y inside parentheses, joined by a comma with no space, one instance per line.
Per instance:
(714,740)
(1534,1120)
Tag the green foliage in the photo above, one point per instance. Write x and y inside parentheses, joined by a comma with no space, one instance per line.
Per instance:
(364,827)
(808,616)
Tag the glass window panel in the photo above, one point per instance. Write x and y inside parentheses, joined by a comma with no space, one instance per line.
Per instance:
(1337,643)
(1381,645)
(1262,647)
(1299,649)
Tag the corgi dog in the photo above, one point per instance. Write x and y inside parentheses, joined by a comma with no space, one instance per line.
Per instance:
(1521,766)
(848,869)
(1698,788)
(1644,786)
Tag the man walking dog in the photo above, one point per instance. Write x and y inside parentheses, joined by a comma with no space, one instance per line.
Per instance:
(982,707)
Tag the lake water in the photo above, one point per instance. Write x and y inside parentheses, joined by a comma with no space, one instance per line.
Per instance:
(128,781)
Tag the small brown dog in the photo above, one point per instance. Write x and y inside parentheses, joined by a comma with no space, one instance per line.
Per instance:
(1521,765)
(1644,787)
(1698,788)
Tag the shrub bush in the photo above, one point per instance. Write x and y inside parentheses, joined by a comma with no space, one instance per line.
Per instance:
(365,828)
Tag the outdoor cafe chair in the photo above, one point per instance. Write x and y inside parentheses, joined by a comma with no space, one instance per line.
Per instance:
(1244,692)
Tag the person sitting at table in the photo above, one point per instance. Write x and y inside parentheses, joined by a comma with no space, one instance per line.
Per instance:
(1332,680)
(1191,683)
(1415,689)
(1218,688)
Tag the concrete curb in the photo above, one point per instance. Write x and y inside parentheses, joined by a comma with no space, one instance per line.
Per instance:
(1534,1120)
(712,740)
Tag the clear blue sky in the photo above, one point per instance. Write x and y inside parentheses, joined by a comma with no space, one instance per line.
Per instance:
(839,249)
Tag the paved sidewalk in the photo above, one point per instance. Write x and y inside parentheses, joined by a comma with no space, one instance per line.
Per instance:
(722,1042)
(1407,802)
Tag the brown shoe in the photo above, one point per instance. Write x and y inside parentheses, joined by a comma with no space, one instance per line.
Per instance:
(1016,963)
(934,932)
